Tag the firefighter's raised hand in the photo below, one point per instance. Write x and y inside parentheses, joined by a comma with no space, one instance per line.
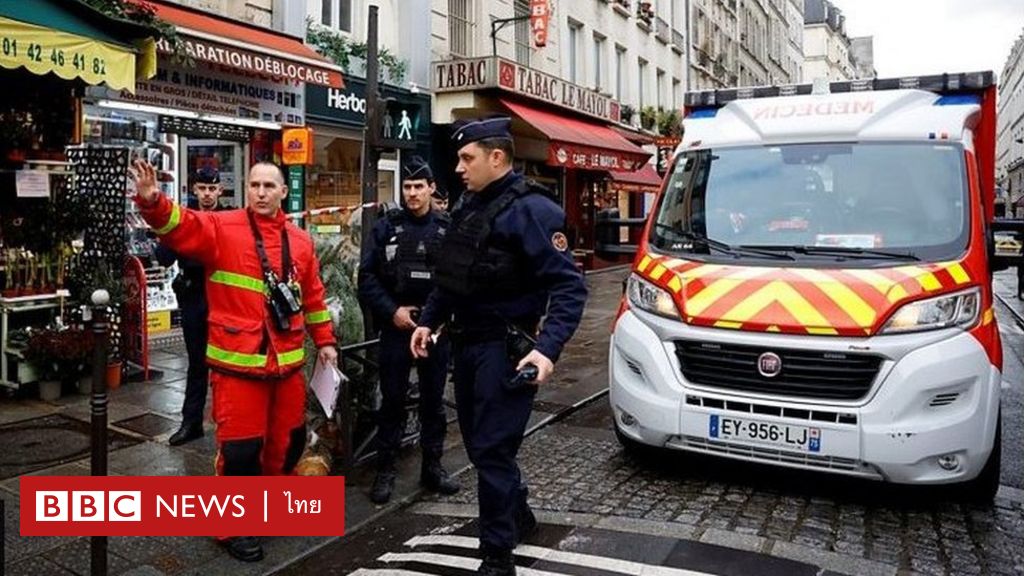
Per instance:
(419,343)
(402,319)
(144,175)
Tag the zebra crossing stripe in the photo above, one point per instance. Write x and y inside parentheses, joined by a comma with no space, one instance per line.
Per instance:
(387,572)
(453,562)
(560,556)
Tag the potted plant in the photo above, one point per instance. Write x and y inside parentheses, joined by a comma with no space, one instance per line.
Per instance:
(60,356)
(100,277)
(626,114)
(648,117)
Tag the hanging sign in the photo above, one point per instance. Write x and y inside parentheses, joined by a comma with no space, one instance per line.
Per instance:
(540,14)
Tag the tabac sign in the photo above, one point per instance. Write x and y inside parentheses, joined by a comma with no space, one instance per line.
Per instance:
(483,73)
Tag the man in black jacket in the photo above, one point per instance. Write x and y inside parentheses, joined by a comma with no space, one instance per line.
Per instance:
(395,277)
(189,287)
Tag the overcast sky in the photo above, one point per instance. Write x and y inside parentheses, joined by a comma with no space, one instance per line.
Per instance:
(930,36)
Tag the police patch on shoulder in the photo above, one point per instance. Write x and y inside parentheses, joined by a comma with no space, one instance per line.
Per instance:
(560,242)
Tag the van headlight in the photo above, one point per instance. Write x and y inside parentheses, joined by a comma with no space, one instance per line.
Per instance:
(951,310)
(648,297)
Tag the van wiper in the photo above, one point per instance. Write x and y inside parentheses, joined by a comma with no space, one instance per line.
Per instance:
(735,251)
(845,252)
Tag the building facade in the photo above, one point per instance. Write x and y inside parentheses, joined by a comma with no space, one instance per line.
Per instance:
(1010,130)
(862,52)
(714,44)
(826,45)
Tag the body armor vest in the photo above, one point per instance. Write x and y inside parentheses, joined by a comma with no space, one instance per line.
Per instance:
(408,268)
(473,262)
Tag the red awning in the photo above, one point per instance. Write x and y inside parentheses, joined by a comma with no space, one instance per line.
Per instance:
(634,136)
(645,179)
(251,49)
(581,144)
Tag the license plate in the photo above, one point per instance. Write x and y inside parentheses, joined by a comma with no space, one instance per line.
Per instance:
(804,438)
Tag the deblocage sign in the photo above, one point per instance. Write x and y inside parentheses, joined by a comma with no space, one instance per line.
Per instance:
(208,90)
(166,506)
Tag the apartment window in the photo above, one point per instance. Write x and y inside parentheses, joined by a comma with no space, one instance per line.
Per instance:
(522,8)
(598,60)
(677,93)
(620,71)
(336,14)
(574,55)
(460,22)
(640,81)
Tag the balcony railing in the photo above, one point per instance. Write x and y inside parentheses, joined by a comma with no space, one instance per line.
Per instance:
(678,39)
(662,30)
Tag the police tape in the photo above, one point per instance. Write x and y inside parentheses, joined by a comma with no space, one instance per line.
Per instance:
(330,210)
(166,506)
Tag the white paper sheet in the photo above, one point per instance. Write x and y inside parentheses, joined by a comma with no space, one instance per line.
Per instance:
(326,384)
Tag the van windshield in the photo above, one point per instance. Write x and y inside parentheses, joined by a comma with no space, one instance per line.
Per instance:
(862,203)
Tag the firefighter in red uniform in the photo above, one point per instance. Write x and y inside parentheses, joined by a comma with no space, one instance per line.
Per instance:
(264,291)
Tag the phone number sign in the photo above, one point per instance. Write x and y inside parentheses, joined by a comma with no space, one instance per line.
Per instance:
(43,50)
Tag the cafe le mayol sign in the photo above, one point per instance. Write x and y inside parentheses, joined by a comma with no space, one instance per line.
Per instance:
(491,72)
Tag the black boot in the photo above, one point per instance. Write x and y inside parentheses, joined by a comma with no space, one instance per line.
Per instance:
(435,478)
(383,485)
(526,522)
(188,432)
(497,563)
(244,548)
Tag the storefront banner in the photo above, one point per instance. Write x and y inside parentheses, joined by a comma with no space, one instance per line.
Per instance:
(254,62)
(43,50)
(590,158)
(540,13)
(207,90)
(490,72)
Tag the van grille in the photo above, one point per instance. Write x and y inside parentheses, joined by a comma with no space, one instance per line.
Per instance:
(804,373)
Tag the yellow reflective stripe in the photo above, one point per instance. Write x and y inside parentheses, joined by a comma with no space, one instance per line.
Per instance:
(675,284)
(958,273)
(851,303)
(291,357)
(643,263)
(236,358)
(318,317)
(237,281)
(172,223)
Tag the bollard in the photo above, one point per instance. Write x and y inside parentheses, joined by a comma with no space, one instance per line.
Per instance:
(98,403)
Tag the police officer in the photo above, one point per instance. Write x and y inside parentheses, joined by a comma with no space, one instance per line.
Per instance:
(439,200)
(506,264)
(395,278)
(189,289)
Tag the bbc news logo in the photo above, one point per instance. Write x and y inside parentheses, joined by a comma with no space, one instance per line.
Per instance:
(89,506)
(166,506)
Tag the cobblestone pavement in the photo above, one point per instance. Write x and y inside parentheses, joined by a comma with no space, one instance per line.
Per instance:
(579,468)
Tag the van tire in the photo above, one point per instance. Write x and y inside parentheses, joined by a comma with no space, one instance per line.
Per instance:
(634,449)
(983,488)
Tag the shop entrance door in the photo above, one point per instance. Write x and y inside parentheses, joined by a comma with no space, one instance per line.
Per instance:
(224,155)
(388,189)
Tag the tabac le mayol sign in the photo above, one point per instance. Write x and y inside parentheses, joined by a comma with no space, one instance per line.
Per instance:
(490,72)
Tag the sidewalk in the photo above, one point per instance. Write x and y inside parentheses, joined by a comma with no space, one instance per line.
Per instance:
(53,439)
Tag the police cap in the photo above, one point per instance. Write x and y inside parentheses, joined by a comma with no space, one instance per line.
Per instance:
(206,175)
(417,169)
(469,131)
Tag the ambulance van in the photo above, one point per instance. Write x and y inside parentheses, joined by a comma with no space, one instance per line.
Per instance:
(813,285)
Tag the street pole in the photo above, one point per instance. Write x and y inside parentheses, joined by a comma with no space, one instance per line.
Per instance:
(372,133)
(98,403)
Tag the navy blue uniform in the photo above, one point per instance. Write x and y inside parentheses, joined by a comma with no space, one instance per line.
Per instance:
(492,413)
(395,271)
(190,289)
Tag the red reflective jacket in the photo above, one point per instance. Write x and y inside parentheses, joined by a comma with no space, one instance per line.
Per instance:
(243,338)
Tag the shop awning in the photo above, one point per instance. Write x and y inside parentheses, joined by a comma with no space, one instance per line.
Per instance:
(251,49)
(645,179)
(634,136)
(73,40)
(578,143)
